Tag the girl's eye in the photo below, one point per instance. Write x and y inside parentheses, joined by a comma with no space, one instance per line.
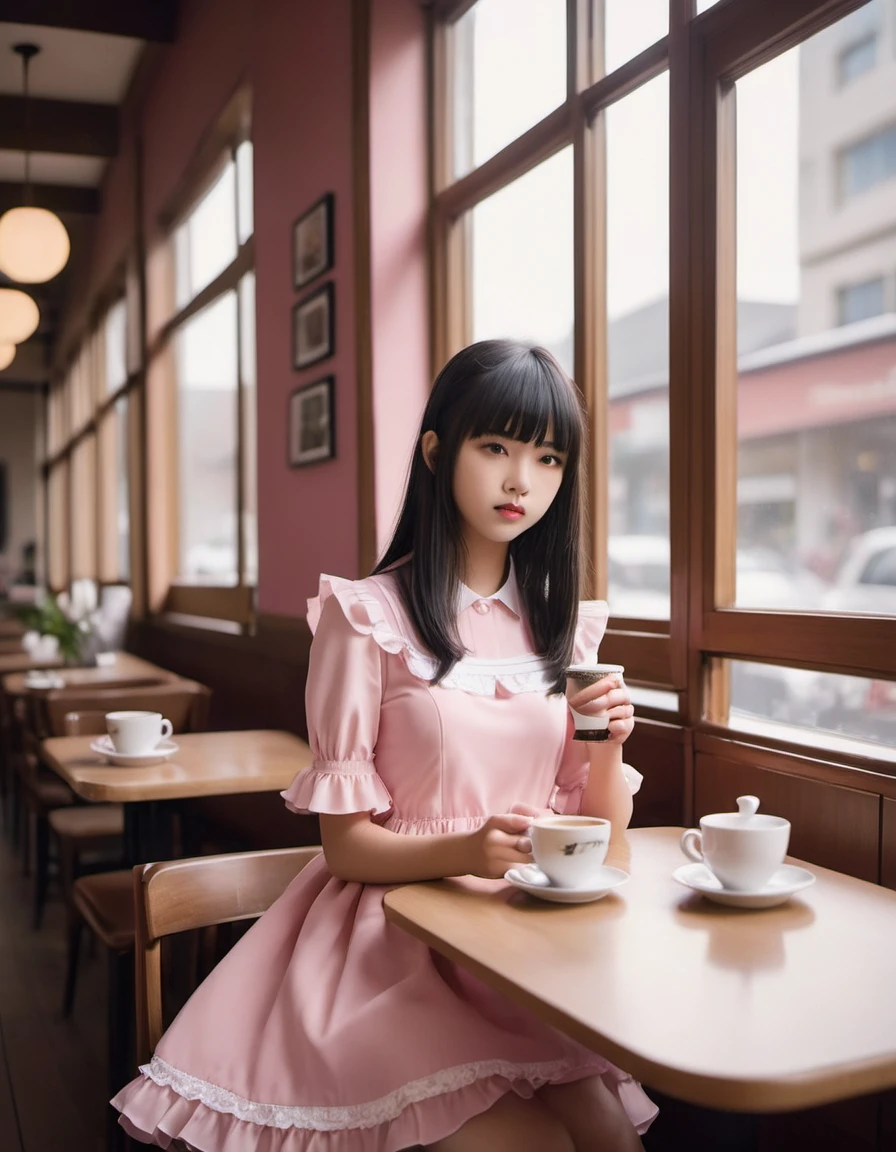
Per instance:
(553,460)
(494,448)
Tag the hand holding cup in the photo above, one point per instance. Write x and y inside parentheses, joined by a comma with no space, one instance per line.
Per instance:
(600,702)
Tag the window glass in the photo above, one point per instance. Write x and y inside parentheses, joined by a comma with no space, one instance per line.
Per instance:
(245,197)
(822,705)
(207,240)
(58,526)
(207,444)
(637,132)
(115,334)
(860,301)
(816,410)
(122,504)
(250,426)
(522,260)
(83,504)
(509,72)
(630,28)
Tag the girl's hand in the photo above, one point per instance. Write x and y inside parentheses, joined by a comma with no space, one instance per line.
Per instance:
(609,695)
(501,843)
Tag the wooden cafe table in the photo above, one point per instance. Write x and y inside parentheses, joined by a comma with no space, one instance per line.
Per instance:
(749,1011)
(207,764)
(126,669)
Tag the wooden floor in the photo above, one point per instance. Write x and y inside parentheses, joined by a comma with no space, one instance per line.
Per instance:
(52,1071)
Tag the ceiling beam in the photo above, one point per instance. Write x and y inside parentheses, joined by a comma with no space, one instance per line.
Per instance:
(59,198)
(66,126)
(143,19)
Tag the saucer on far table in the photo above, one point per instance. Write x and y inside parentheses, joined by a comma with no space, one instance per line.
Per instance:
(531,879)
(104,747)
(783,884)
(43,680)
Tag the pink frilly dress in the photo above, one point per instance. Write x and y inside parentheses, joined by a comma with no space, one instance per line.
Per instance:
(326,1028)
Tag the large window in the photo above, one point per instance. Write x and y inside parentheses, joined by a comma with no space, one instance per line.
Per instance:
(697,225)
(89,458)
(202,380)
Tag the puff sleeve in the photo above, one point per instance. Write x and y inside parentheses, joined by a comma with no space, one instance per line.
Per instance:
(342,700)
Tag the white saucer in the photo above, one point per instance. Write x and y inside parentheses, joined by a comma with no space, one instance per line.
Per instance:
(531,879)
(783,884)
(43,680)
(104,747)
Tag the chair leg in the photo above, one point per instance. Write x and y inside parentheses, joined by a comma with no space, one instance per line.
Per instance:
(41,867)
(122,1065)
(75,932)
(25,818)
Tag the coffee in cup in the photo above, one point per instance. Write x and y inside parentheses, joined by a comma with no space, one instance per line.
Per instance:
(743,850)
(570,850)
(136,733)
(579,676)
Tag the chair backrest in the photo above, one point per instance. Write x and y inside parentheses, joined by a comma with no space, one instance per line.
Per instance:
(184,702)
(179,895)
(83,724)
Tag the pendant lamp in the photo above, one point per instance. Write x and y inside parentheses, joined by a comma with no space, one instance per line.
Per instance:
(34,244)
(7,355)
(19,316)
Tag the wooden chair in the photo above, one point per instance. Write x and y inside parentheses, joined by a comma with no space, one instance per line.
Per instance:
(201,892)
(93,827)
(181,896)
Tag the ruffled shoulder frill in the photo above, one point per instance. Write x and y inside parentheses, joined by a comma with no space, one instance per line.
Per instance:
(373,608)
(593,617)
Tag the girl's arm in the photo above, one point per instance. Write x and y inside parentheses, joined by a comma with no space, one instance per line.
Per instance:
(358,850)
(607,792)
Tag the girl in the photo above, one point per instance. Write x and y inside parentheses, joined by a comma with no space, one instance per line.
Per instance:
(438,724)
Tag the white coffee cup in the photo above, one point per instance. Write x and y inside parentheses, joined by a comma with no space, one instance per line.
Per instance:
(570,850)
(135,733)
(579,676)
(742,849)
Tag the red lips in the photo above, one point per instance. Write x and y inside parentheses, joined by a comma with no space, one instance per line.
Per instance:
(511,508)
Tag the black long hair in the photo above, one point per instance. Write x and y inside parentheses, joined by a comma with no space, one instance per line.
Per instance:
(498,388)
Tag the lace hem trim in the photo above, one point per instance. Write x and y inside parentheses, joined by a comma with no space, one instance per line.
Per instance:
(336,1118)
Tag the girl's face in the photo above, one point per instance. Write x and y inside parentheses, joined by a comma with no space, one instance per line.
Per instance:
(502,486)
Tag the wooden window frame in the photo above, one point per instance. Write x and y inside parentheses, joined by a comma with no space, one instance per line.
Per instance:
(168,595)
(704,54)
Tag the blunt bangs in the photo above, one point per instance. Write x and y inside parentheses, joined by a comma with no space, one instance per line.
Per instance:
(525,398)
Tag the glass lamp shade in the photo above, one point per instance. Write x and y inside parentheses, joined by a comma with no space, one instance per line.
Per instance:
(19,316)
(7,355)
(34,245)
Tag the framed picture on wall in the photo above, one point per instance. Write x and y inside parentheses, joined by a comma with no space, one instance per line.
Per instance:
(313,327)
(312,425)
(312,242)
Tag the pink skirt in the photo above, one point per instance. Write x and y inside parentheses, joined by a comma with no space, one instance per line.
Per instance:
(327,1029)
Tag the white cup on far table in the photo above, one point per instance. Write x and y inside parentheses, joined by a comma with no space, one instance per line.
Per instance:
(742,849)
(570,850)
(136,733)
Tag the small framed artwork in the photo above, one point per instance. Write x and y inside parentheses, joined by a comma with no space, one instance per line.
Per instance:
(313,327)
(312,242)
(312,425)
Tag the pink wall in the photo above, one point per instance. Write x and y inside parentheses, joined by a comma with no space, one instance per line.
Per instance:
(398,212)
(297,56)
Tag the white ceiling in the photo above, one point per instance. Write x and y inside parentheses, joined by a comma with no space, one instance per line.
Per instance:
(50,168)
(71,65)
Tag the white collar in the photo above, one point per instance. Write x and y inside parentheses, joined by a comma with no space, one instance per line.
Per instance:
(508,594)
